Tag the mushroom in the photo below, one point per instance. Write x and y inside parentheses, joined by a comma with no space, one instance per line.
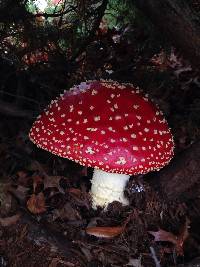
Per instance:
(109,126)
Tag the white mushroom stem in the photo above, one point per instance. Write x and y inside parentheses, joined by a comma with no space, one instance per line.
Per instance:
(108,187)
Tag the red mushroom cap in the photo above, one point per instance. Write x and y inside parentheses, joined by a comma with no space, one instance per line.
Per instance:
(105,125)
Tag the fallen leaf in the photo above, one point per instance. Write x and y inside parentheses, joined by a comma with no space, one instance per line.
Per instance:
(108,232)
(160,60)
(75,191)
(53,181)
(22,178)
(81,198)
(20,192)
(9,220)
(66,213)
(105,232)
(6,203)
(183,235)
(135,262)
(176,240)
(36,203)
(56,262)
(37,180)
(36,166)
(6,199)
(162,235)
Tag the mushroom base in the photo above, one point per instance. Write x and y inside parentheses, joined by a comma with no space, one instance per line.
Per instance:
(108,187)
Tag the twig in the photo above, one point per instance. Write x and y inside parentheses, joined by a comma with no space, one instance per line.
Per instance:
(100,11)
(14,111)
(21,97)
(153,254)
(52,15)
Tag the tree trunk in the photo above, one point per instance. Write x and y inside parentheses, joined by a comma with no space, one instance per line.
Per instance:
(181,178)
(175,19)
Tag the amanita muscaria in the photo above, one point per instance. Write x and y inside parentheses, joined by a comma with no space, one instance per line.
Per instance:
(109,126)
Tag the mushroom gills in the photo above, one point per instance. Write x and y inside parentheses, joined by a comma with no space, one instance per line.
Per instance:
(108,187)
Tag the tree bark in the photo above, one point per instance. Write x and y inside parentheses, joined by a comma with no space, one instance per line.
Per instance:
(181,178)
(175,19)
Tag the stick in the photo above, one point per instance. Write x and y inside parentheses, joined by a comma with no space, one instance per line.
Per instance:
(153,254)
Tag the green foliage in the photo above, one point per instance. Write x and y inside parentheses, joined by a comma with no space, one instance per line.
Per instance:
(80,15)
(119,13)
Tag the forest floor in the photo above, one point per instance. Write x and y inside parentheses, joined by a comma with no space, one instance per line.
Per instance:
(46,212)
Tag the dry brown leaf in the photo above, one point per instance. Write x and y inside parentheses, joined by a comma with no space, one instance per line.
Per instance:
(66,213)
(162,235)
(135,262)
(6,199)
(75,191)
(20,192)
(36,203)
(160,60)
(22,178)
(106,232)
(53,181)
(109,232)
(9,220)
(37,180)
(81,198)
(36,166)
(56,262)
(177,240)
(183,235)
